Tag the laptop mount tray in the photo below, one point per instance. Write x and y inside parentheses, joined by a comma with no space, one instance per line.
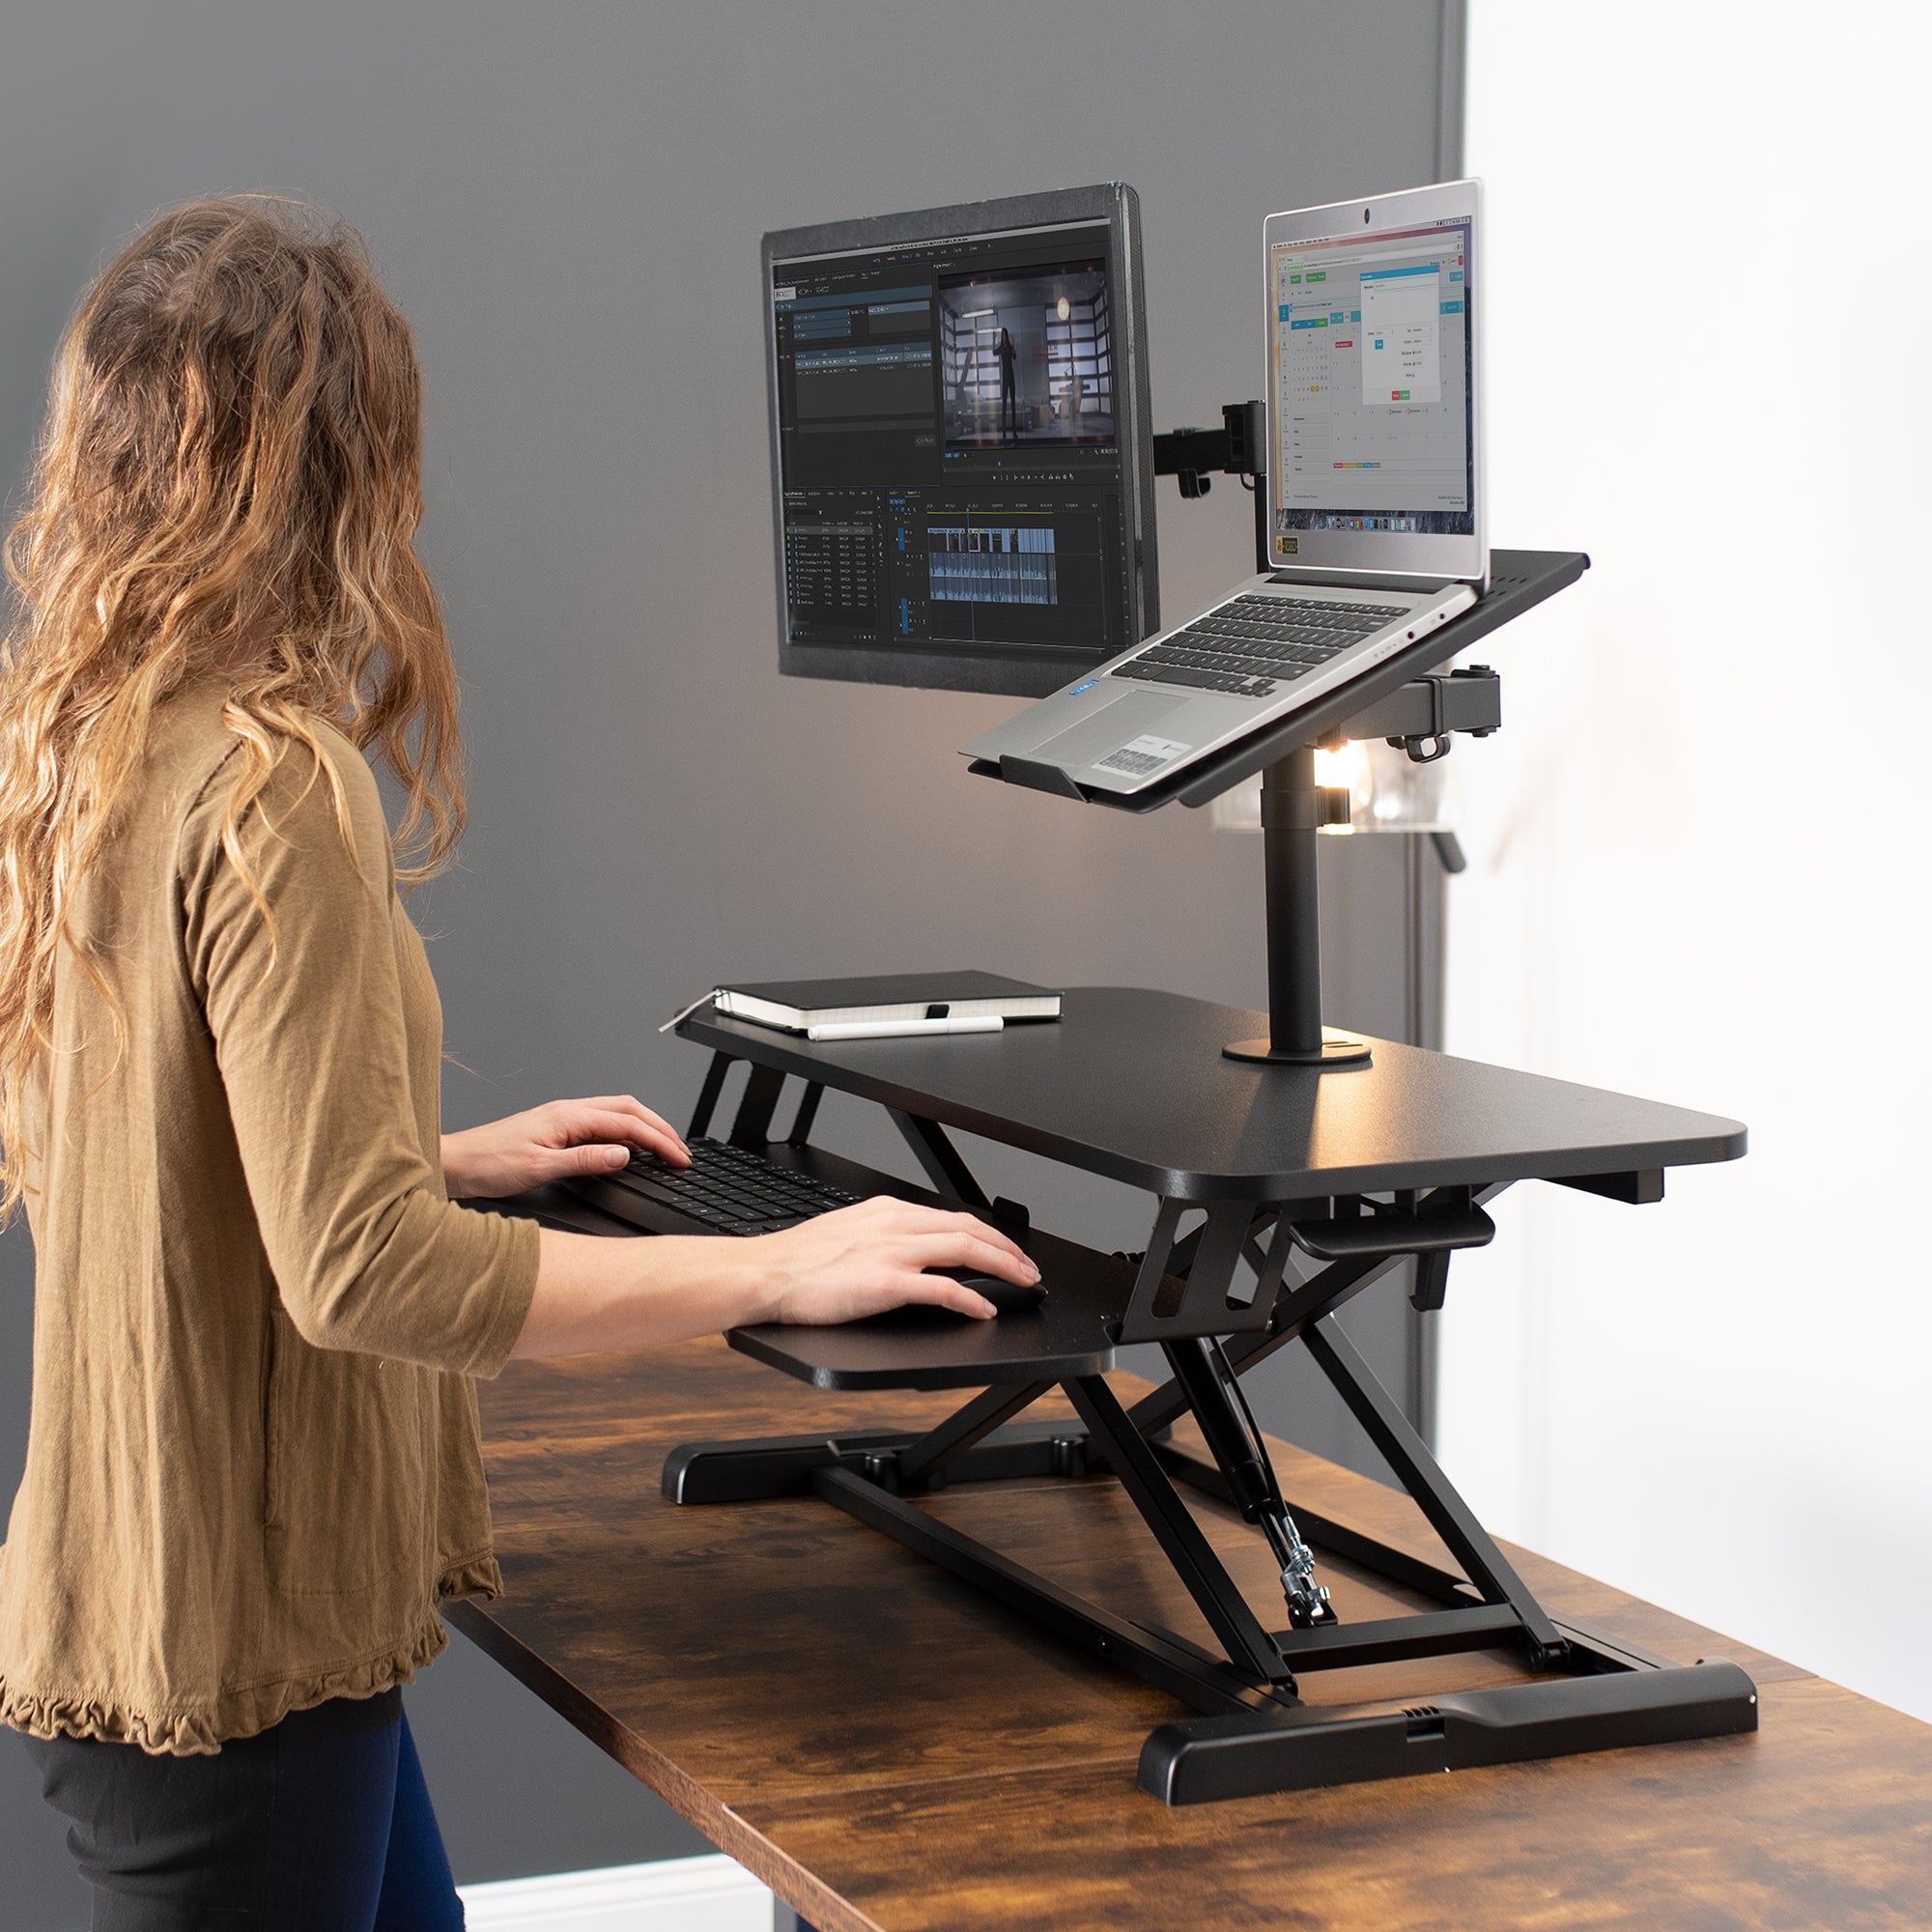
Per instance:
(1406,698)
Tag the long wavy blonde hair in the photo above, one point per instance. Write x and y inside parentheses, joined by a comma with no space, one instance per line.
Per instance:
(228,484)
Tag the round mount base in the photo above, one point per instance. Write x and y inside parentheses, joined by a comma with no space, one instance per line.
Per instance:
(1337,1050)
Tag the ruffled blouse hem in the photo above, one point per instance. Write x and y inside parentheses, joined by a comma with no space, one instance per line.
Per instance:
(243,1713)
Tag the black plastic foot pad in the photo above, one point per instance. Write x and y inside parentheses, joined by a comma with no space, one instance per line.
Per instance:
(1203,1759)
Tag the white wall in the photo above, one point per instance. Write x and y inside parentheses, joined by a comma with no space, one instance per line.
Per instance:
(1698,846)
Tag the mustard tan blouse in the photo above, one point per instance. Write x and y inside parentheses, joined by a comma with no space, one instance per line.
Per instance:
(254,1466)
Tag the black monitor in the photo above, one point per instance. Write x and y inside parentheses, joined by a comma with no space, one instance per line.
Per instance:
(962,451)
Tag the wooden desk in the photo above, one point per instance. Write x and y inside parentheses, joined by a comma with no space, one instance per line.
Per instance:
(885,1748)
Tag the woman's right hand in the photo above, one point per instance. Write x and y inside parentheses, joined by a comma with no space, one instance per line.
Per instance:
(594,1293)
(866,1259)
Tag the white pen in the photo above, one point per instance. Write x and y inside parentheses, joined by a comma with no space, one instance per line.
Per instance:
(903,1029)
(677,1019)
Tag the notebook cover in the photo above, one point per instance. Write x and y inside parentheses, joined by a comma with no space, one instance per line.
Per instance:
(889,989)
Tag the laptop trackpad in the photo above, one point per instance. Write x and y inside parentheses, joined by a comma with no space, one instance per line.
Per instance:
(1117,724)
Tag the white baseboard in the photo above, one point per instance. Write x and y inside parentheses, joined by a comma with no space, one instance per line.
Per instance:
(707,1894)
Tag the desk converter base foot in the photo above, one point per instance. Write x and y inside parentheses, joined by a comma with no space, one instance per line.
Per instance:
(784,1466)
(1202,1760)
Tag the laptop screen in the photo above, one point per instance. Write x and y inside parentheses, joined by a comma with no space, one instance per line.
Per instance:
(1370,358)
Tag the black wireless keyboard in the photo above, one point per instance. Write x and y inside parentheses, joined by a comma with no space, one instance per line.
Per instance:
(729,1188)
(1251,641)
(732,1190)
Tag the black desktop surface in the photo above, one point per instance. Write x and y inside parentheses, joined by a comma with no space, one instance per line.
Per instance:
(1132,1084)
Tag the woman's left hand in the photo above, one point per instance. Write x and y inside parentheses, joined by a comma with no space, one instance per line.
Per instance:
(560,1138)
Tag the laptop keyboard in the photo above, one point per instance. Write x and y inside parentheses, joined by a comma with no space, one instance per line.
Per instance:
(1250,643)
(731,1189)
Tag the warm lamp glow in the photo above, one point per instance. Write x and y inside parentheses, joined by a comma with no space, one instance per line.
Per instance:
(1066,308)
(1345,766)
(1386,792)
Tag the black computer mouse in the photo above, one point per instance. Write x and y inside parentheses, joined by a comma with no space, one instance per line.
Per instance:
(1009,1298)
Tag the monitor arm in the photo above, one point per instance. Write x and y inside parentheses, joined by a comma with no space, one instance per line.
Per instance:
(1237,448)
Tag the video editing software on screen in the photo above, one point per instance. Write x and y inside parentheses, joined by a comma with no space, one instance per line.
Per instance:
(950,471)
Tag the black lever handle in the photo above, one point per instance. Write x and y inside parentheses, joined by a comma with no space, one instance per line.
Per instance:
(1432,1233)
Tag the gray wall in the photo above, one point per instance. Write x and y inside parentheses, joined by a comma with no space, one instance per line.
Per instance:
(567,201)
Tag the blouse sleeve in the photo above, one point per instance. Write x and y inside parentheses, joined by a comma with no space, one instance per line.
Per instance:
(305,1009)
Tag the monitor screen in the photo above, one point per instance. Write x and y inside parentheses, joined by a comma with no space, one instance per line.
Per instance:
(959,437)
(1371,357)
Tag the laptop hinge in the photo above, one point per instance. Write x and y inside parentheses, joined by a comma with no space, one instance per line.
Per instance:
(1363,580)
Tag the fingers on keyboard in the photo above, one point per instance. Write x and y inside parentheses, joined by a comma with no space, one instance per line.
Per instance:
(732,1189)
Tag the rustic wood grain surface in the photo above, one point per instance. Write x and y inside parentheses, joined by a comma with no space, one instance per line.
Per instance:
(887,1748)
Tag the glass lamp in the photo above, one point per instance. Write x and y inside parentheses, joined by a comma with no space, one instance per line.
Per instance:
(1387,792)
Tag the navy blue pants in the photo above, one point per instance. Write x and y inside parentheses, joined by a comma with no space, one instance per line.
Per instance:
(321,1824)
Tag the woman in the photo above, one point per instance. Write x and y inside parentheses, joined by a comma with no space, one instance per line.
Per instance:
(254,1466)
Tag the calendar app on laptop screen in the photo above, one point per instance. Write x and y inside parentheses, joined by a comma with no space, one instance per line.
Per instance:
(1370,355)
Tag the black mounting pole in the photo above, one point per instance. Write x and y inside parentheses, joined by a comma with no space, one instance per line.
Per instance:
(1292,808)
(1292,804)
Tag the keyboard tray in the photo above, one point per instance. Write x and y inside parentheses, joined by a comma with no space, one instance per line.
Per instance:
(1069,1334)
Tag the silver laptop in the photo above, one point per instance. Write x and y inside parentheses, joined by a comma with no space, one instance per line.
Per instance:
(1376,526)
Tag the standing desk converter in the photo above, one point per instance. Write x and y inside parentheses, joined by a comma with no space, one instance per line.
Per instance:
(1279,1193)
